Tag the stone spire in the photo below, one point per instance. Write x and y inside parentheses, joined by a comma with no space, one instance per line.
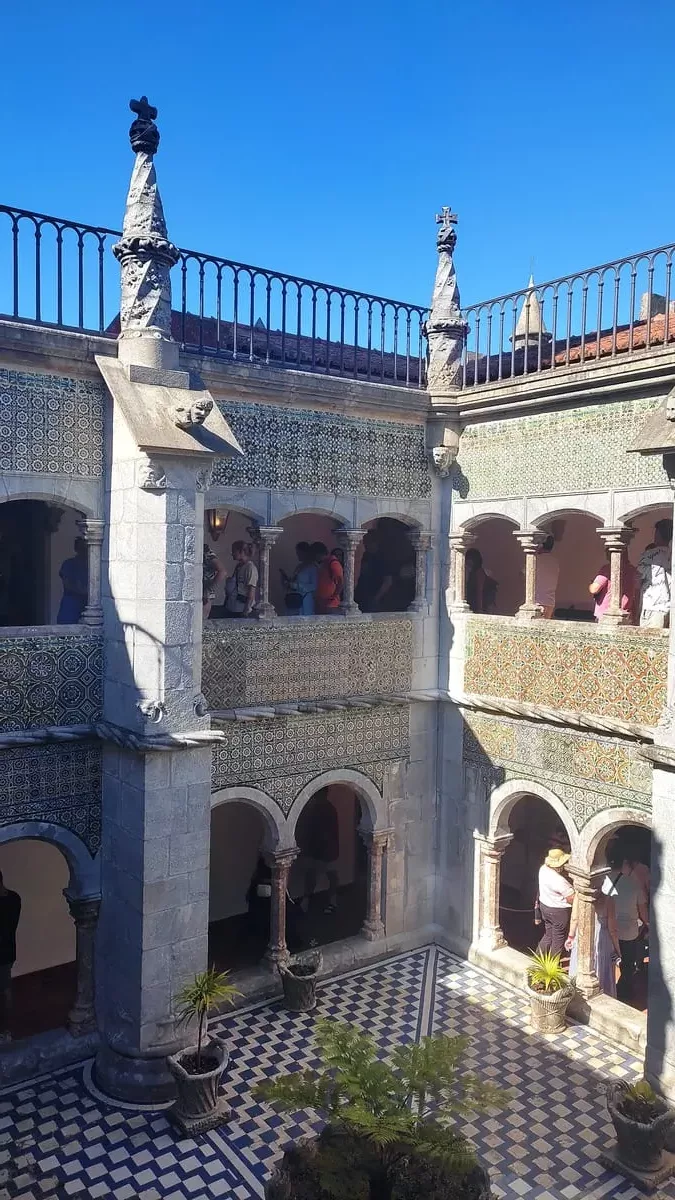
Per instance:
(446,328)
(530,322)
(146,255)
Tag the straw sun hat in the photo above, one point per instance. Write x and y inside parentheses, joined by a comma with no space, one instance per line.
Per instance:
(556,859)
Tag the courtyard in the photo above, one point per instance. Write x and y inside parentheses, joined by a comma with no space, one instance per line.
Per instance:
(60,1138)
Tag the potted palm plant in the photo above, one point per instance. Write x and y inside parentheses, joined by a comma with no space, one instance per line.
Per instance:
(198,1069)
(550,990)
(390,1124)
(642,1122)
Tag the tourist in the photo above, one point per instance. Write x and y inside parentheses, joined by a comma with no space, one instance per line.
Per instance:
(10,911)
(555,901)
(330,580)
(654,570)
(241,586)
(212,575)
(480,588)
(632,917)
(318,836)
(301,585)
(548,570)
(606,947)
(74,576)
(601,590)
(375,577)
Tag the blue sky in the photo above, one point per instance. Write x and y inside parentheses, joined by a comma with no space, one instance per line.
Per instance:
(321,138)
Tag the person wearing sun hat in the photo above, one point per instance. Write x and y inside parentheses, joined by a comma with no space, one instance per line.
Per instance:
(555,901)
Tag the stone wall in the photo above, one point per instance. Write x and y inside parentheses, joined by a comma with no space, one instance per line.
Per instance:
(559,452)
(307,659)
(569,666)
(281,756)
(293,448)
(50,679)
(60,784)
(50,424)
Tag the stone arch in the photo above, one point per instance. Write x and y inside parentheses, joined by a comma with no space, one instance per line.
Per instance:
(505,797)
(604,823)
(85,873)
(391,514)
(279,835)
(559,512)
(375,815)
(472,523)
(216,498)
(626,508)
(339,509)
(51,491)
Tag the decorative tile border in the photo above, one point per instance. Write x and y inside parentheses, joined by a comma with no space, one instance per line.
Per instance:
(294,448)
(50,680)
(270,753)
(569,666)
(51,425)
(310,660)
(60,784)
(590,774)
(577,450)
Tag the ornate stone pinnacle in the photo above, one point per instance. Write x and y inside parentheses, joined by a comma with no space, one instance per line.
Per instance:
(447,237)
(446,328)
(143,134)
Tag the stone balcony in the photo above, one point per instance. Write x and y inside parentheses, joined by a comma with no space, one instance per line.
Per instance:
(573,666)
(50,675)
(248,663)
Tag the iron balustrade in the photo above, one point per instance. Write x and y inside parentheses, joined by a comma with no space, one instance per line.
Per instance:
(61,273)
(620,307)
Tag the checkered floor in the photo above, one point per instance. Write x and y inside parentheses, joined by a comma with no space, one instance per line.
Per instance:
(59,1139)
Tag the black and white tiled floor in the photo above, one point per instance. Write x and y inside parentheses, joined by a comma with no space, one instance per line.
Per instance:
(59,1139)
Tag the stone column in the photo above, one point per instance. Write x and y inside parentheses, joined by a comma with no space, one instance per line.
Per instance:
(280,864)
(587,980)
(460,541)
(376,841)
(422,543)
(615,539)
(92,531)
(490,936)
(530,540)
(265,536)
(82,1016)
(349,539)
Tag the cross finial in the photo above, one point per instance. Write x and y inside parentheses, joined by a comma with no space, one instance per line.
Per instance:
(144,134)
(143,109)
(445,217)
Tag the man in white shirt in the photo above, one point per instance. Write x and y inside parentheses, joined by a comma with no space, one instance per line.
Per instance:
(632,917)
(548,570)
(654,570)
(555,901)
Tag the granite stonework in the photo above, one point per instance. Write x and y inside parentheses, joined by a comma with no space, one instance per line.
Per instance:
(568,666)
(51,424)
(577,450)
(50,680)
(263,751)
(305,660)
(589,774)
(59,784)
(292,448)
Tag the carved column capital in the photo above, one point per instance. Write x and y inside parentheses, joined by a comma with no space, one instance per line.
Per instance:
(530,539)
(92,530)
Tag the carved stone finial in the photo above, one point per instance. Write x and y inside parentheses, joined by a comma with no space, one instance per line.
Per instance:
(143,134)
(446,329)
(446,238)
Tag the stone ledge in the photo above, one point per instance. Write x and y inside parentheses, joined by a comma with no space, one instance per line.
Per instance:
(28,1057)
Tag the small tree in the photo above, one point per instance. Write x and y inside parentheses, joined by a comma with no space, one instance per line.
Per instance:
(199,997)
(401,1107)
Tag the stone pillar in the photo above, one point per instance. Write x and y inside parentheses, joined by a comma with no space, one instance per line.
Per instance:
(422,543)
(615,539)
(349,539)
(460,541)
(586,980)
(280,864)
(265,537)
(530,540)
(376,841)
(82,1016)
(490,936)
(92,531)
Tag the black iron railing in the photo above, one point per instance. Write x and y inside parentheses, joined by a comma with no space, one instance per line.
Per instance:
(61,273)
(621,307)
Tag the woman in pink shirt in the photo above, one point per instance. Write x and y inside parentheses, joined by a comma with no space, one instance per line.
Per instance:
(600,590)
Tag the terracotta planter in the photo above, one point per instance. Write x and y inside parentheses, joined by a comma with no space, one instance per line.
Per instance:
(548,1009)
(639,1146)
(199,1105)
(299,977)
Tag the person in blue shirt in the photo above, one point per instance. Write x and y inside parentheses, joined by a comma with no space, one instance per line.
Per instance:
(75,579)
